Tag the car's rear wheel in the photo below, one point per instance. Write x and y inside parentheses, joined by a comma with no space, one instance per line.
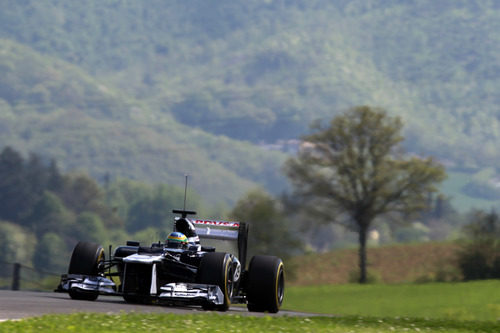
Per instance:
(86,259)
(266,284)
(216,268)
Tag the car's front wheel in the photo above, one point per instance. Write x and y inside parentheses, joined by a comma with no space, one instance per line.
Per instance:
(85,260)
(216,268)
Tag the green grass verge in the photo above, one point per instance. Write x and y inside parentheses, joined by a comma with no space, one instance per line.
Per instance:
(460,301)
(135,322)
(433,307)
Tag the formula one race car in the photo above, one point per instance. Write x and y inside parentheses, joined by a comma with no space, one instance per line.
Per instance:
(181,271)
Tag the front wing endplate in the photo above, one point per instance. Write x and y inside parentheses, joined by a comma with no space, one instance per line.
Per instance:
(87,283)
(191,292)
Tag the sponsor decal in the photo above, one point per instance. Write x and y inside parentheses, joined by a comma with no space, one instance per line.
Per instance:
(217,223)
(181,294)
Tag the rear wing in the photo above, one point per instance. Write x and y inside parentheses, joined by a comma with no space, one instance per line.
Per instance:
(217,229)
(224,230)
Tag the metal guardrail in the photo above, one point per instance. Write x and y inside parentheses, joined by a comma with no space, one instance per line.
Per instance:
(16,276)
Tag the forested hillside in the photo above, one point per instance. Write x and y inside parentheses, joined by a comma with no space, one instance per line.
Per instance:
(53,107)
(104,86)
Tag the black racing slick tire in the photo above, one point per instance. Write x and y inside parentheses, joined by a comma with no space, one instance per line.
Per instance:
(216,268)
(85,260)
(266,284)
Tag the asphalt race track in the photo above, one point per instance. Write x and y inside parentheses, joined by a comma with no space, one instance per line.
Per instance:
(22,304)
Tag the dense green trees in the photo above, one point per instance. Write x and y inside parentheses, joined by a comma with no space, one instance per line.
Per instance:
(44,212)
(271,231)
(23,183)
(15,243)
(50,253)
(49,213)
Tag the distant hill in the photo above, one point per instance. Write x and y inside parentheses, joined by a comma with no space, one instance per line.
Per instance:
(53,108)
(256,72)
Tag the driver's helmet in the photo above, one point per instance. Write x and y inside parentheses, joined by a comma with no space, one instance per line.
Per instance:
(186,227)
(177,240)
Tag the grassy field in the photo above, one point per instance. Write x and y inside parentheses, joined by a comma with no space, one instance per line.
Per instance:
(434,307)
(457,301)
(234,323)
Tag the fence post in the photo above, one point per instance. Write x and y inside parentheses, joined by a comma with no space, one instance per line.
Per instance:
(16,276)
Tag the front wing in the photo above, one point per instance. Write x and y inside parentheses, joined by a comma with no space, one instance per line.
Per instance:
(186,293)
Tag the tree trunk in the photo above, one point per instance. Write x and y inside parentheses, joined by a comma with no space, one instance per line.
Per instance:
(362,254)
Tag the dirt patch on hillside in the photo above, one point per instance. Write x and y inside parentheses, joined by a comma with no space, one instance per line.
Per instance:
(388,264)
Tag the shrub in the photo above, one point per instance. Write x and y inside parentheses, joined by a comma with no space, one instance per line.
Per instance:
(479,256)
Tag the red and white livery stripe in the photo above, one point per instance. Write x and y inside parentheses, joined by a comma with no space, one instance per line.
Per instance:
(218,223)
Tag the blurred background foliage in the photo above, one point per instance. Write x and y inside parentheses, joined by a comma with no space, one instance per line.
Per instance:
(152,90)
(58,209)
(44,212)
(106,105)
